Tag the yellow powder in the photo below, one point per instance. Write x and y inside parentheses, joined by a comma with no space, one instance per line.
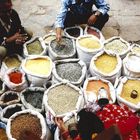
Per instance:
(106,63)
(89,43)
(39,66)
(128,87)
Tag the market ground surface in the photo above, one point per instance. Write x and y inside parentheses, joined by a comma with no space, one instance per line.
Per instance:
(39,16)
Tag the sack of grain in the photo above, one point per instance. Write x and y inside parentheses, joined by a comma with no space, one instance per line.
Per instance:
(87,46)
(70,70)
(135,49)
(63,49)
(106,65)
(27,120)
(117,45)
(2,87)
(73,32)
(131,65)
(128,91)
(62,98)
(3,135)
(48,38)
(15,79)
(94,31)
(92,86)
(38,69)
(32,98)
(8,111)
(9,62)
(35,46)
(9,98)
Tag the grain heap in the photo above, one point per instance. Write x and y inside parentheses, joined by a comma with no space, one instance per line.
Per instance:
(69,71)
(106,63)
(75,32)
(128,87)
(64,47)
(116,46)
(3,135)
(12,61)
(34,47)
(93,32)
(89,43)
(49,38)
(25,122)
(39,66)
(62,99)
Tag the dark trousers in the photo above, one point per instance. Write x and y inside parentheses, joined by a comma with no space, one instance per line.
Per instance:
(72,19)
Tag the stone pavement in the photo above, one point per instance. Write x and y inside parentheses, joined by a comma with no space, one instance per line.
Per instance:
(40,15)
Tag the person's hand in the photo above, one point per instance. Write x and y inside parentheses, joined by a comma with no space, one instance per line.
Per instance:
(58,34)
(60,123)
(92,19)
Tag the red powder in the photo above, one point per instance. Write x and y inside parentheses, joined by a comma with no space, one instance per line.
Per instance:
(15,77)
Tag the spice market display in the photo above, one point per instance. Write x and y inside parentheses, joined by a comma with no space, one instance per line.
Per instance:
(58,79)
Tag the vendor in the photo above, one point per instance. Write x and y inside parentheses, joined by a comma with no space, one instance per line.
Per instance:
(75,12)
(12,34)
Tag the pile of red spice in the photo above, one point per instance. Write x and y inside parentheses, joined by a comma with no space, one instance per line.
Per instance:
(15,77)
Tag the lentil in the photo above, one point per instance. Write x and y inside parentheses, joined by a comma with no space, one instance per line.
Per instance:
(26,122)
(75,32)
(34,98)
(106,63)
(117,46)
(69,71)
(10,97)
(12,61)
(10,111)
(3,135)
(64,47)
(62,99)
(34,47)
(93,32)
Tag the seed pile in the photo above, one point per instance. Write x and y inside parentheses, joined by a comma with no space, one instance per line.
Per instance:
(34,47)
(12,61)
(62,99)
(69,71)
(34,98)
(3,135)
(49,39)
(10,97)
(75,32)
(93,32)
(10,111)
(117,46)
(25,122)
(64,47)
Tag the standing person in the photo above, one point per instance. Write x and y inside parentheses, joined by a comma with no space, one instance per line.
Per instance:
(74,12)
(12,34)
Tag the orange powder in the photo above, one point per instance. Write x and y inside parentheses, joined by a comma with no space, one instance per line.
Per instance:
(95,85)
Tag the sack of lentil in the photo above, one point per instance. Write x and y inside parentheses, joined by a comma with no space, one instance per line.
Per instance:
(38,69)
(70,70)
(27,120)
(131,65)
(135,49)
(9,98)
(32,98)
(2,87)
(9,62)
(48,38)
(35,46)
(128,91)
(3,135)
(92,86)
(87,46)
(73,32)
(15,79)
(117,45)
(8,111)
(105,65)
(63,49)
(62,98)
(94,31)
